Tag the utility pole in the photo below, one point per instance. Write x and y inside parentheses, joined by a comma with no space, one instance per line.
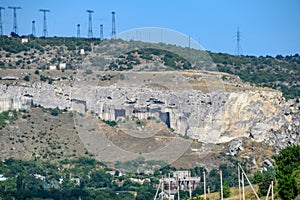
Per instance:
(239,179)
(244,174)
(169,187)
(243,186)
(190,187)
(90,30)
(15,25)
(204,185)
(1,27)
(45,31)
(178,188)
(271,189)
(221,183)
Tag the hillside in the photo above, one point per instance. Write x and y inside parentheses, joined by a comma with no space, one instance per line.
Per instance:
(243,110)
(144,108)
(280,72)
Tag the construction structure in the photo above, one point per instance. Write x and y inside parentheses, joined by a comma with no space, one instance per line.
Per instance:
(90,29)
(170,186)
(33,28)
(78,30)
(15,24)
(113,25)
(45,31)
(1,27)
(238,39)
(101,31)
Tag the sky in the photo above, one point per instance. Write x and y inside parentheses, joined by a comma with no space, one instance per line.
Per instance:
(268,27)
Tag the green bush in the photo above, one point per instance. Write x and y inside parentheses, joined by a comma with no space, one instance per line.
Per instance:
(26,78)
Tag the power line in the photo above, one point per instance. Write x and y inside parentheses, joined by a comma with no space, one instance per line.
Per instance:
(90,30)
(45,31)
(1,27)
(113,27)
(101,31)
(33,28)
(238,45)
(78,30)
(15,25)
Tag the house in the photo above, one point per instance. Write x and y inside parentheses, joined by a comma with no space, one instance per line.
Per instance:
(181,174)
(140,181)
(2,177)
(81,51)
(62,65)
(76,180)
(38,176)
(24,40)
(52,67)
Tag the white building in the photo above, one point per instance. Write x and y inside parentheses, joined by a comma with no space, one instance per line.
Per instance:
(81,51)
(24,40)
(2,177)
(62,66)
(52,67)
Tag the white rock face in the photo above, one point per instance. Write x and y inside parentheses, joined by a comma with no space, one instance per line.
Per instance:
(213,117)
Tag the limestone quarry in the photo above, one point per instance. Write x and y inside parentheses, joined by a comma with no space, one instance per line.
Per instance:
(205,113)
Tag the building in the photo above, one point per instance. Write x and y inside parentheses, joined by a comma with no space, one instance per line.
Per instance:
(81,51)
(2,177)
(24,40)
(52,67)
(62,66)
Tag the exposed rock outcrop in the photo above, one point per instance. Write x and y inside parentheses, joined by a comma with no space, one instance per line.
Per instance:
(214,117)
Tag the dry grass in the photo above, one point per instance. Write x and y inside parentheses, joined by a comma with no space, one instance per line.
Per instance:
(249,194)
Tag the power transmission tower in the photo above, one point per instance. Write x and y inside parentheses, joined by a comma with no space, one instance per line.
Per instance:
(238,39)
(1,27)
(33,28)
(15,26)
(78,30)
(45,32)
(113,27)
(90,30)
(101,31)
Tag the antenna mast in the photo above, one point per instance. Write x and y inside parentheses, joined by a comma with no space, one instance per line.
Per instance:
(15,26)
(113,31)
(45,32)
(90,30)
(1,28)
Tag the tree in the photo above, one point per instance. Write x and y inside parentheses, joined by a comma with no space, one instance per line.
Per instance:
(287,163)
(226,191)
(264,180)
(54,111)
(26,78)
